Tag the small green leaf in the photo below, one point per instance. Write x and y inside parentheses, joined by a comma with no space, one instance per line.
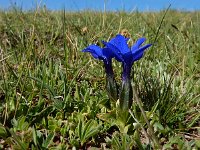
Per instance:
(115,142)
(48,140)
(22,145)
(34,136)
(197,143)
(138,140)
(85,131)
(158,126)
(108,117)
(3,132)
(58,104)
(80,126)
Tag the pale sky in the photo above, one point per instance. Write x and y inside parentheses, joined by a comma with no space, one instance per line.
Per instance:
(111,5)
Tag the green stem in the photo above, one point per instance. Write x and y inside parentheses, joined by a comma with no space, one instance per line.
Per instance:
(111,87)
(126,94)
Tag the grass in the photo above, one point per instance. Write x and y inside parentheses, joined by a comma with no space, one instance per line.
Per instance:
(53,95)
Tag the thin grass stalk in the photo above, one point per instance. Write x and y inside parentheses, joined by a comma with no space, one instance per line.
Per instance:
(64,41)
(145,133)
(155,141)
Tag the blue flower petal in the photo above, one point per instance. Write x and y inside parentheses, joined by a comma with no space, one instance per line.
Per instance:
(139,52)
(128,59)
(107,53)
(95,50)
(95,55)
(116,52)
(138,56)
(92,52)
(121,43)
(137,44)
(141,49)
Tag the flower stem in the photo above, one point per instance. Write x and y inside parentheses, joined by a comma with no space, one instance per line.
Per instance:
(111,85)
(126,93)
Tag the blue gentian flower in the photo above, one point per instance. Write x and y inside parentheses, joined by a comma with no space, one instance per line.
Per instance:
(105,54)
(127,56)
